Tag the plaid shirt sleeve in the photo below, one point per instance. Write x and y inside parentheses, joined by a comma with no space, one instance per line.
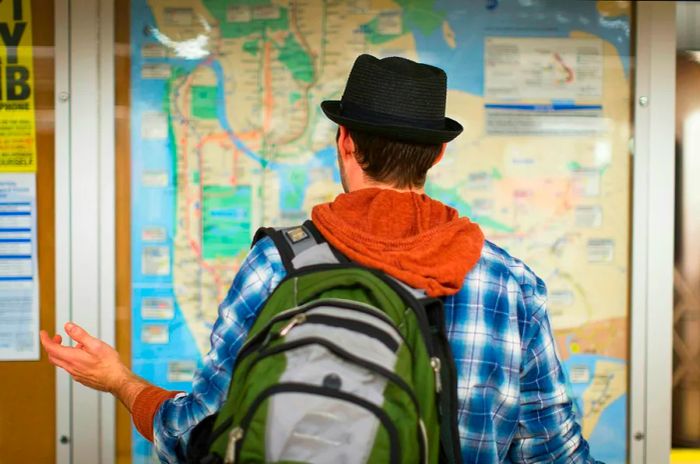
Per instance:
(258,276)
(547,430)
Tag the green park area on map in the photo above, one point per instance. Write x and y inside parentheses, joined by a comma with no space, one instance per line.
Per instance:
(204,101)
(225,220)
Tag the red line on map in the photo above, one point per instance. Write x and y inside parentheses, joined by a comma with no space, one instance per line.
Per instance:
(194,245)
(569,72)
(227,137)
(294,27)
(268,101)
(234,170)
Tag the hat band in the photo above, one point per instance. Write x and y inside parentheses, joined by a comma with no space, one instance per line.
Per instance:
(352,110)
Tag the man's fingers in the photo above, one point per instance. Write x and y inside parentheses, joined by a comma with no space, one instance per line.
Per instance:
(66,353)
(79,334)
(46,340)
(50,344)
(55,349)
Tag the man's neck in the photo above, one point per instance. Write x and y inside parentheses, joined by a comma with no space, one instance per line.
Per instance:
(370,184)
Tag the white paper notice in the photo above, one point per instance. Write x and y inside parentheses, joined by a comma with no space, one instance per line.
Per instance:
(543,68)
(19,280)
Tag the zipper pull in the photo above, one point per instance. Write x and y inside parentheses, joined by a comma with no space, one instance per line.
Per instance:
(436,365)
(233,436)
(296,320)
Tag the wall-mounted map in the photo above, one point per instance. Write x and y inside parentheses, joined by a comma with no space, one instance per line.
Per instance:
(227,135)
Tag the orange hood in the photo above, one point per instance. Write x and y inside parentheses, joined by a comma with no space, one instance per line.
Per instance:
(410,236)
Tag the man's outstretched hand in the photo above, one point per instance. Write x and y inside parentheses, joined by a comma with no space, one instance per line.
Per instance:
(93,363)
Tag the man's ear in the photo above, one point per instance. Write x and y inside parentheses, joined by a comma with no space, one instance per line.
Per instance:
(346,146)
(440,155)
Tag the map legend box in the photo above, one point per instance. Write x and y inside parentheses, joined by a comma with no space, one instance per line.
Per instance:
(157,308)
(155,261)
(155,334)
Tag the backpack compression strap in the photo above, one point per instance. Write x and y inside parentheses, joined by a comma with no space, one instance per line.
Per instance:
(301,246)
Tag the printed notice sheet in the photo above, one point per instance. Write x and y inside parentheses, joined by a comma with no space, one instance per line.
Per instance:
(19,283)
(543,68)
(543,86)
(17,118)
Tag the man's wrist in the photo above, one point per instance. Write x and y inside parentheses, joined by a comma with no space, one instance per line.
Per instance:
(128,388)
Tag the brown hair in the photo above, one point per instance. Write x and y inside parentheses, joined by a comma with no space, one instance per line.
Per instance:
(390,161)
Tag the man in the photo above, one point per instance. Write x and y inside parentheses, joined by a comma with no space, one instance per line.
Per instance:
(513,405)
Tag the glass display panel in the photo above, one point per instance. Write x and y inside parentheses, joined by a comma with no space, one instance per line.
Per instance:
(222,133)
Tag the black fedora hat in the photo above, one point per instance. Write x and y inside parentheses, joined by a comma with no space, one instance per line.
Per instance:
(396,98)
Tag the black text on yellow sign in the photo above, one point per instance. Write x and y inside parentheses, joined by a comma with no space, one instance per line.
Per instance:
(17,117)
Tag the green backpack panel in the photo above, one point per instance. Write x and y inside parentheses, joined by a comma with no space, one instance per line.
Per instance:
(343,364)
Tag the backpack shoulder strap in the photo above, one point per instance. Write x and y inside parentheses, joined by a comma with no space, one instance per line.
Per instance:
(301,246)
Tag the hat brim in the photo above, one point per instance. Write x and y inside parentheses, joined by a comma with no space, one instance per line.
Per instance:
(331,108)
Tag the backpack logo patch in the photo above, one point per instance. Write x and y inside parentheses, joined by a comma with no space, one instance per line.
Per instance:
(296,234)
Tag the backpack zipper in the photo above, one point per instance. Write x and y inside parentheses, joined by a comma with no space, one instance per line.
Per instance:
(296,320)
(365,328)
(436,365)
(259,337)
(234,435)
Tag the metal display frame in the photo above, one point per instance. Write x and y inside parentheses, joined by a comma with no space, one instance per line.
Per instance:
(85,223)
(85,205)
(651,314)
(62,227)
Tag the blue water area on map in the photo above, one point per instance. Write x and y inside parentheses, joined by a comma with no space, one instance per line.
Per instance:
(608,438)
(610,434)
(464,64)
(294,181)
(152,207)
(294,178)
(588,361)
(326,158)
(221,112)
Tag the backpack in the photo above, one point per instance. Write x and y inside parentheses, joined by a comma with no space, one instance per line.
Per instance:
(344,364)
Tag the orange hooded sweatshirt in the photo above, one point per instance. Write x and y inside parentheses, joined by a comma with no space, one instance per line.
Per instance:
(410,236)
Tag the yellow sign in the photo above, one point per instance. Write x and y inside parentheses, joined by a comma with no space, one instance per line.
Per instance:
(17,123)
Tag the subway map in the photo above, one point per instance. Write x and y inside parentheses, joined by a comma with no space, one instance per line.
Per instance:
(227,135)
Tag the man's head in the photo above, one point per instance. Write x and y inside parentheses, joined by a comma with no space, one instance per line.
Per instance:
(392,122)
(367,160)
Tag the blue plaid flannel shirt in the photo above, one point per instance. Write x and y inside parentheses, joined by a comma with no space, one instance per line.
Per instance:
(513,403)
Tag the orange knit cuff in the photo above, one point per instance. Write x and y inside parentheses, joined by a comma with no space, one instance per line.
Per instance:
(145,407)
